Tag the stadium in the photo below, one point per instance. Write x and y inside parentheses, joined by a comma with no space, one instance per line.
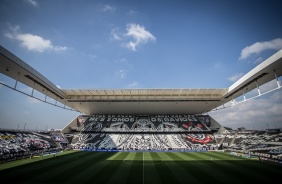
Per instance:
(140,135)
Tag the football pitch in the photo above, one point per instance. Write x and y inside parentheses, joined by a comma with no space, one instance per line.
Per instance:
(139,168)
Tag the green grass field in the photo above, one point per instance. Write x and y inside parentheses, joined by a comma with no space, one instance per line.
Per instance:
(139,168)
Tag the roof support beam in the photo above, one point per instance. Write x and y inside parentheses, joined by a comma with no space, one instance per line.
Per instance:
(258,88)
(46,95)
(17,81)
(244,95)
(277,80)
(33,88)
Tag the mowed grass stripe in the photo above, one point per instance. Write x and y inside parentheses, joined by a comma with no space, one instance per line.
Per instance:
(219,171)
(115,156)
(89,170)
(239,167)
(189,163)
(225,155)
(242,175)
(261,170)
(252,164)
(27,171)
(130,156)
(127,167)
(179,172)
(21,162)
(164,172)
(242,172)
(109,167)
(150,172)
(122,171)
(68,169)
(136,172)
(209,170)
(226,171)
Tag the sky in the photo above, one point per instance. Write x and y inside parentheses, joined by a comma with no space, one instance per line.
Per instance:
(126,44)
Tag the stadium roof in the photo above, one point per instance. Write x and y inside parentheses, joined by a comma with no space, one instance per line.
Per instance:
(139,101)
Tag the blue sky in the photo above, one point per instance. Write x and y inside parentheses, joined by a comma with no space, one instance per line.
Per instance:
(140,44)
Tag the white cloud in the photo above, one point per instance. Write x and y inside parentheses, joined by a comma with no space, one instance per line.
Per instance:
(131,12)
(259,47)
(115,35)
(32,42)
(108,8)
(122,60)
(32,2)
(139,35)
(259,60)
(235,77)
(60,48)
(92,56)
(121,73)
(132,85)
(256,113)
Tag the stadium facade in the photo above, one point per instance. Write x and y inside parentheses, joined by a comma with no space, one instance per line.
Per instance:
(141,119)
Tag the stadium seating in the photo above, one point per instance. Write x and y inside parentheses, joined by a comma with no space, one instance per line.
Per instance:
(263,144)
(145,132)
(18,144)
